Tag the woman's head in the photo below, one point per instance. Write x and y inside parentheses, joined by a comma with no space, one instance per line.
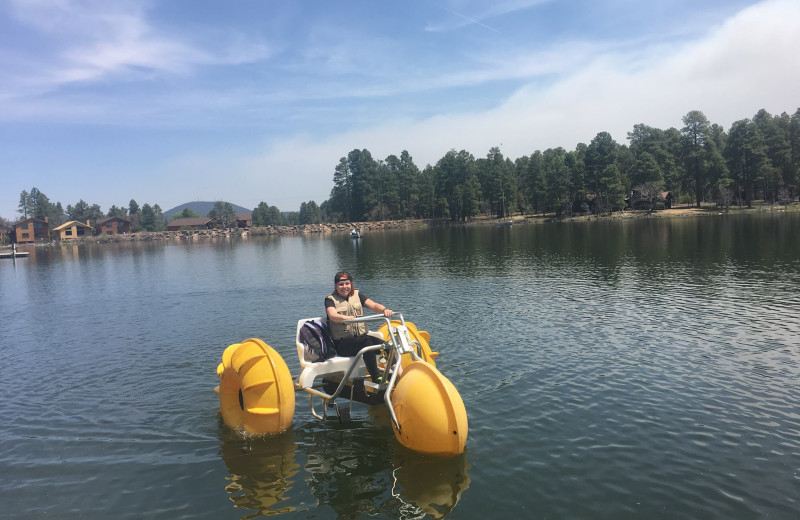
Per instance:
(343,284)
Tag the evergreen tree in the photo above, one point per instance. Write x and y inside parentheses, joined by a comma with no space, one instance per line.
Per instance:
(80,212)
(695,133)
(794,150)
(498,185)
(600,154)
(365,192)
(575,162)
(95,213)
(557,177)
(58,215)
(24,204)
(37,206)
(341,193)
(745,155)
(186,213)
(520,173)
(646,170)
(456,184)
(407,175)
(114,211)
(134,214)
(426,194)
(147,217)
(222,214)
(600,157)
(777,171)
(159,222)
(612,189)
(266,215)
(309,213)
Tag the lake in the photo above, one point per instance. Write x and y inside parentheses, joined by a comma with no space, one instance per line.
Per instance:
(639,369)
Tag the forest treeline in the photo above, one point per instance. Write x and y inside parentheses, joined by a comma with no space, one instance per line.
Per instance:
(755,159)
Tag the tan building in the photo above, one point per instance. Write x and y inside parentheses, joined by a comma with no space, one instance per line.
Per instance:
(73,229)
(31,230)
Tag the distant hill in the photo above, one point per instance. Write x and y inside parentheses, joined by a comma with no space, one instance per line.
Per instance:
(202,208)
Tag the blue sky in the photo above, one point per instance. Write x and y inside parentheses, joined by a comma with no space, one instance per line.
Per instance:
(246,101)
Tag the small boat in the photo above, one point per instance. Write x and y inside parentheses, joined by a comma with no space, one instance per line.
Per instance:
(257,391)
(505,223)
(355,234)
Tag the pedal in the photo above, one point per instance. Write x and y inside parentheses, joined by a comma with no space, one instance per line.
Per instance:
(344,414)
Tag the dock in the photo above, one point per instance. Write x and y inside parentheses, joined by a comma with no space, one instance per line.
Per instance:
(14,253)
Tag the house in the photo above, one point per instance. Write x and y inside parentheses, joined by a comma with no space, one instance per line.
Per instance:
(73,229)
(244,220)
(188,223)
(639,201)
(667,196)
(32,229)
(113,226)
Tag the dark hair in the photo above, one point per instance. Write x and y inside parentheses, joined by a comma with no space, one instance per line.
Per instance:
(342,275)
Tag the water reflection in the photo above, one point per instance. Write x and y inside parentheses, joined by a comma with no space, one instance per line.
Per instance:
(658,378)
(261,471)
(345,470)
(347,466)
(434,486)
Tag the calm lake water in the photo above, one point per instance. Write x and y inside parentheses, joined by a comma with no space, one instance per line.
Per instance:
(643,369)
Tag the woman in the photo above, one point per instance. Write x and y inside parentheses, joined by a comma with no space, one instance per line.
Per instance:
(347,303)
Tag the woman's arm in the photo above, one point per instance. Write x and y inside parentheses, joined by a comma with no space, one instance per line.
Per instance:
(335,316)
(378,308)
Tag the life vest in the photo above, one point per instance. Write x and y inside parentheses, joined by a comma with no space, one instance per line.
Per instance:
(349,307)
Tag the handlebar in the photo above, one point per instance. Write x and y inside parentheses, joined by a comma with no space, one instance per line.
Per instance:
(378,317)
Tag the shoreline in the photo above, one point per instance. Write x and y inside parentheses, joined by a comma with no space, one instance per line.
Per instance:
(307,229)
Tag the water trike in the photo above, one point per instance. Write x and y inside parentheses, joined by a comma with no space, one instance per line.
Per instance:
(257,391)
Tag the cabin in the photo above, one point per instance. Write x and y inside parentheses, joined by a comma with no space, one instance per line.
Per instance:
(73,229)
(244,221)
(31,230)
(189,223)
(635,201)
(113,226)
(667,196)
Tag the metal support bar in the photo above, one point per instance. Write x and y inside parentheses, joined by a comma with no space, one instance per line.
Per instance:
(399,343)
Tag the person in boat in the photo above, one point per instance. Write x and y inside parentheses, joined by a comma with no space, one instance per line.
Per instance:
(346,303)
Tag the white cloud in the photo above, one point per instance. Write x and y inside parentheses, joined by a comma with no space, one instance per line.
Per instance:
(746,64)
(91,41)
(470,12)
(574,90)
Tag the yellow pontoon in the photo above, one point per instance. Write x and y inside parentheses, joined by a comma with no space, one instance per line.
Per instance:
(256,389)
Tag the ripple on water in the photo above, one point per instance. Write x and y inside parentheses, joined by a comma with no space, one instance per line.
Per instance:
(599,381)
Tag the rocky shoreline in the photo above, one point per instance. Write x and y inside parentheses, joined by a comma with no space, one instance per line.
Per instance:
(366,227)
(202,234)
